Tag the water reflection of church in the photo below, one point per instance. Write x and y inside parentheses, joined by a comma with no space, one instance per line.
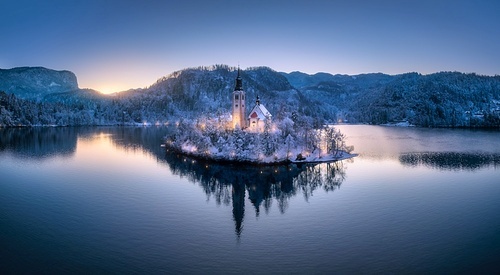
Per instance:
(229,183)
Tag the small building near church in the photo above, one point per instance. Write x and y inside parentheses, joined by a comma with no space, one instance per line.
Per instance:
(258,116)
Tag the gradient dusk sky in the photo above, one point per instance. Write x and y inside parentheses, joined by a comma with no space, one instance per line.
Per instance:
(121,44)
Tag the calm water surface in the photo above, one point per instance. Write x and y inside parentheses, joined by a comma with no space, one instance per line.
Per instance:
(82,200)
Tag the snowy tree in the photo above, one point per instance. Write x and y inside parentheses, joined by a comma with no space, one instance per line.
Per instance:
(289,144)
(267,139)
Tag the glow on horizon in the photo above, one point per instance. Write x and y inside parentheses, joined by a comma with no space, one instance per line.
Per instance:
(105,89)
(113,79)
(138,81)
(118,45)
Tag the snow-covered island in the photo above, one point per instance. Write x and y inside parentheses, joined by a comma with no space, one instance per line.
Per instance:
(279,142)
(257,138)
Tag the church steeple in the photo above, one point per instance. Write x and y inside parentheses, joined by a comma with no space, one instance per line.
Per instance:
(239,114)
(239,85)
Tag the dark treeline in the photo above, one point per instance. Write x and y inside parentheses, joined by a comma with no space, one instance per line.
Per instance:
(447,99)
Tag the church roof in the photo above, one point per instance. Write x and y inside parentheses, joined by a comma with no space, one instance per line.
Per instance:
(259,111)
(239,85)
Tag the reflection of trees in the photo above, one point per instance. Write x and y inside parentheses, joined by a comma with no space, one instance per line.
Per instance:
(229,183)
(147,139)
(327,175)
(451,160)
(39,142)
(225,183)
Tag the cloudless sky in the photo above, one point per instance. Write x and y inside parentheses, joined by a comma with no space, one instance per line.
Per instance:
(120,44)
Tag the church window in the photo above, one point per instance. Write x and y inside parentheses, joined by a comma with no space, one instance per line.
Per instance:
(236,105)
(242,97)
(236,97)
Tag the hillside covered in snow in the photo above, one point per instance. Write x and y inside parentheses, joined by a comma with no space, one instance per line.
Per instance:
(39,96)
(445,99)
(36,82)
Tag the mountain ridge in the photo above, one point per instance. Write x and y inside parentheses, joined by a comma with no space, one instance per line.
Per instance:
(444,99)
(36,82)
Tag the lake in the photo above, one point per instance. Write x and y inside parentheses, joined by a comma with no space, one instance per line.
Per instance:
(112,200)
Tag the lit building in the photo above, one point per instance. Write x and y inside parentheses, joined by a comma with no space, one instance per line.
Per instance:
(258,116)
(239,117)
(257,119)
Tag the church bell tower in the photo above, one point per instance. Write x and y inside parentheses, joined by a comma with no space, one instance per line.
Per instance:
(239,117)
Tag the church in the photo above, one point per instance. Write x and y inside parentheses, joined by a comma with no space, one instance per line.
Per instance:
(258,115)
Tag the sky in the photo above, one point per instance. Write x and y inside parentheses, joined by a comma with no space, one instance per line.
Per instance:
(117,45)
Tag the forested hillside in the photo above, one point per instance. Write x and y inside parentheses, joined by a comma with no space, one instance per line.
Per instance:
(442,99)
(446,99)
(39,96)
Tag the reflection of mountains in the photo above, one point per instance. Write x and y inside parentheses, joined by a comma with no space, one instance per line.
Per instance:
(230,183)
(44,142)
(147,139)
(39,142)
(451,160)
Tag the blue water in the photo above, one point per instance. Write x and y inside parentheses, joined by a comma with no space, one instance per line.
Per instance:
(111,200)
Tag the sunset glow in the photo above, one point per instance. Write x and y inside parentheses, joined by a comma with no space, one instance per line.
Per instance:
(114,45)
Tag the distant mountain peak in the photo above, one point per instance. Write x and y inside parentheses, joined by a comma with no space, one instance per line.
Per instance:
(36,82)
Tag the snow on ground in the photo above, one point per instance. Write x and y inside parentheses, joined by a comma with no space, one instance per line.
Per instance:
(278,142)
(277,157)
(328,158)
